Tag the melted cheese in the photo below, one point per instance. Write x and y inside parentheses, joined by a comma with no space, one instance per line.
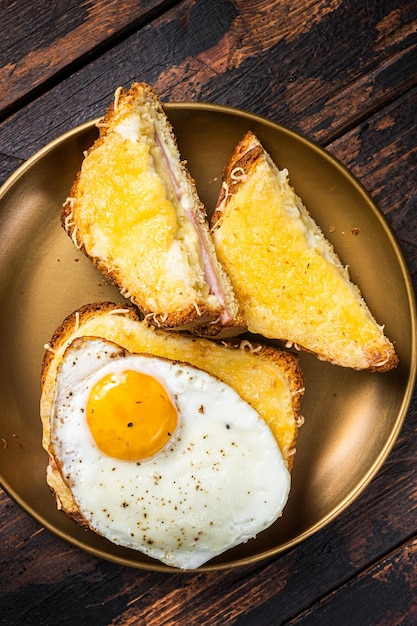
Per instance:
(256,380)
(133,210)
(293,286)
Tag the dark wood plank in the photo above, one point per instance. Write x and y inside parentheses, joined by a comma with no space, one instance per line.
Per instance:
(382,153)
(383,595)
(36,45)
(8,165)
(296,66)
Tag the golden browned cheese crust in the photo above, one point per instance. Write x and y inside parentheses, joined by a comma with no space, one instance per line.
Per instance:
(200,303)
(282,304)
(255,371)
(240,165)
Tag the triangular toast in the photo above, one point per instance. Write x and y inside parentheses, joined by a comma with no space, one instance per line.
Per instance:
(134,210)
(290,283)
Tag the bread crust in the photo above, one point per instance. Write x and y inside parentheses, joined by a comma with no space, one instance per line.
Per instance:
(240,165)
(72,327)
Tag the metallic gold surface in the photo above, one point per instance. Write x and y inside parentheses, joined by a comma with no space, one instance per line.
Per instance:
(351,418)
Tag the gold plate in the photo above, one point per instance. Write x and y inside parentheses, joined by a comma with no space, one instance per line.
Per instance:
(351,418)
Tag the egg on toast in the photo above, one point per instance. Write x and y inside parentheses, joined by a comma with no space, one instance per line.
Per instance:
(147,431)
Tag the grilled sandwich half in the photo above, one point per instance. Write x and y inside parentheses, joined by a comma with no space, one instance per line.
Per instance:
(267,378)
(135,211)
(290,283)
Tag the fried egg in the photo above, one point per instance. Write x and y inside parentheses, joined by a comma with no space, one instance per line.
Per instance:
(162,457)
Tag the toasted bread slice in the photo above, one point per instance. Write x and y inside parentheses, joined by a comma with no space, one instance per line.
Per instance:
(267,378)
(290,282)
(134,210)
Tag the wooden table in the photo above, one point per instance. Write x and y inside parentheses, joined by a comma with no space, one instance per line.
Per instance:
(342,73)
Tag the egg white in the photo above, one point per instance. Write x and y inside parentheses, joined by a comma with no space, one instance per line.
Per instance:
(219,481)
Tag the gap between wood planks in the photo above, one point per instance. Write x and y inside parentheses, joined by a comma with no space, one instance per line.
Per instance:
(359,575)
(86,58)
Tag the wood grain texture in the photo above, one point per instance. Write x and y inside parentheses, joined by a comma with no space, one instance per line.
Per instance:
(390,585)
(243,55)
(344,74)
(382,153)
(8,165)
(36,45)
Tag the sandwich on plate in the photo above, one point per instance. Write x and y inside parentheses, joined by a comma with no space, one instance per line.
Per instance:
(290,283)
(175,446)
(135,211)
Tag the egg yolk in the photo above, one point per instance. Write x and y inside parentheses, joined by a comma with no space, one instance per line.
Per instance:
(130,415)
